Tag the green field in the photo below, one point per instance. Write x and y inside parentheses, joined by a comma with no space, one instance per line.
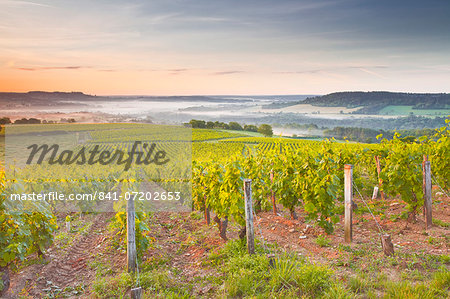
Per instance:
(253,134)
(406,110)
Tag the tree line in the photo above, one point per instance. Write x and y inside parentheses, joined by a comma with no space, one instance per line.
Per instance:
(264,129)
(370,135)
(379,99)
(33,121)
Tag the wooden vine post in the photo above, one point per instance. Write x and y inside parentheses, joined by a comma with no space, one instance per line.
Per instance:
(272,194)
(136,293)
(386,243)
(425,158)
(131,237)
(427,195)
(380,181)
(375,192)
(348,192)
(249,216)
(207,213)
(207,216)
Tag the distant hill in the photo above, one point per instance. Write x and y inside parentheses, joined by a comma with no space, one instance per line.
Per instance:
(41,98)
(45,95)
(372,102)
(51,98)
(18,100)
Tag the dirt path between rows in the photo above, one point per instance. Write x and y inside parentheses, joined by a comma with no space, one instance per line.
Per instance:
(182,242)
(65,268)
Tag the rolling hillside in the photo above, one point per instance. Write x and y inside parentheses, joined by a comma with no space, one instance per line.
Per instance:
(373,102)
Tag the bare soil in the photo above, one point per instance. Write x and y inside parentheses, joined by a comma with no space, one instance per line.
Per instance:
(185,242)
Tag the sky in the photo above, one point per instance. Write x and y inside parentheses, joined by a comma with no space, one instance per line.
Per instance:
(209,47)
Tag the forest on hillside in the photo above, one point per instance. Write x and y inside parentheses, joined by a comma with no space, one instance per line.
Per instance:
(372,102)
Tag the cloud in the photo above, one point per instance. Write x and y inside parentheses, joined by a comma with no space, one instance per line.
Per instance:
(22,3)
(371,73)
(177,71)
(362,68)
(52,68)
(159,19)
(206,19)
(300,72)
(226,73)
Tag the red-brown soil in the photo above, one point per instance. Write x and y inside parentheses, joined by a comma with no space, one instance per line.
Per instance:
(185,242)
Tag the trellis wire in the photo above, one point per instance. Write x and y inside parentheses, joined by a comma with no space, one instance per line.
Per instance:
(137,269)
(370,211)
(437,184)
(262,236)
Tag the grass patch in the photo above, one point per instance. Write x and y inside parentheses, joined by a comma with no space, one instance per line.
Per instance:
(63,240)
(433,241)
(155,262)
(322,241)
(195,215)
(406,110)
(101,267)
(407,290)
(286,276)
(440,223)
(112,286)
(161,282)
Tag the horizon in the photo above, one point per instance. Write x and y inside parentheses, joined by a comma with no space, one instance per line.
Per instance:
(218,95)
(162,48)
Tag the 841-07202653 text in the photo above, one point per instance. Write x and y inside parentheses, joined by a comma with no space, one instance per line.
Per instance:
(129,195)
